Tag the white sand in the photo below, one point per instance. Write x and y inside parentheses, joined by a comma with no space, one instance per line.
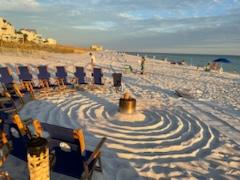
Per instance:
(168,137)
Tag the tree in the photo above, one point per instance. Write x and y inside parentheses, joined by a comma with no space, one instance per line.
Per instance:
(25,38)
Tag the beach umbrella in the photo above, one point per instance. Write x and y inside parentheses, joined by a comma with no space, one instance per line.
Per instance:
(221,60)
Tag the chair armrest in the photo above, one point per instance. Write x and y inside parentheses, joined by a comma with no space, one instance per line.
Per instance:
(17,90)
(5,99)
(96,152)
(8,110)
(52,159)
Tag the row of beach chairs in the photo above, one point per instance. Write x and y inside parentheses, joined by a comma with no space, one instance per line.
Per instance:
(44,76)
(45,82)
(13,92)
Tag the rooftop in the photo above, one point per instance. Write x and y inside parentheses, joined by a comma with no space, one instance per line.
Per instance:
(29,30)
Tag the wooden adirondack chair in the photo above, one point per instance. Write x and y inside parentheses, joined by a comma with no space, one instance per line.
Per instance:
(74,160)
(97,76)
(61,78)
(9,85)
(80,75)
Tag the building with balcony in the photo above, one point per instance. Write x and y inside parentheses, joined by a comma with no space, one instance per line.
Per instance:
(9,34)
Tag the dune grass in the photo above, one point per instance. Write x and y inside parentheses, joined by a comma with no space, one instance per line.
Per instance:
(30,48)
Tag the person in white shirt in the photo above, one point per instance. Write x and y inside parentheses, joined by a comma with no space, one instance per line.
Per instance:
(93,59)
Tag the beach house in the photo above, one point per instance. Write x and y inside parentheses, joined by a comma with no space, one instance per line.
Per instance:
(8,33)
(32,35)
(51,41)
(7,30)
(96,47)
(19,37)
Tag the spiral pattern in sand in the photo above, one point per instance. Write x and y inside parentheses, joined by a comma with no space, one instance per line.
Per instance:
(164,136)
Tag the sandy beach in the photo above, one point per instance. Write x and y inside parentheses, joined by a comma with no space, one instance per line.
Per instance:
(168,136)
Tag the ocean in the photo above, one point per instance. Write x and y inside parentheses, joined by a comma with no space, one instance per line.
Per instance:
(195,59)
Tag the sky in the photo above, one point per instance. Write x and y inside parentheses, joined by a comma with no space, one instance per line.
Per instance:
(166,26)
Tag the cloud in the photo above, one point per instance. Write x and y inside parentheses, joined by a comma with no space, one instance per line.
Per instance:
(129,16)
(221,39)
(190,24)
(129,24)
(19,5)
(97,26)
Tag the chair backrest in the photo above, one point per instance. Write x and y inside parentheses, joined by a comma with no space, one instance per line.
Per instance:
(97,76)
(24,73)
(19,142)
(61,72)
(43,73)
(5,76)
(58,132)
(80,75)
(117,79)
(19,135)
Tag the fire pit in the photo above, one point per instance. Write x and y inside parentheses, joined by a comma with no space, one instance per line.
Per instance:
(127,104)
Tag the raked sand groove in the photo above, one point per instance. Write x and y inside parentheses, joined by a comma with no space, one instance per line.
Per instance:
(164,136)
(168,137)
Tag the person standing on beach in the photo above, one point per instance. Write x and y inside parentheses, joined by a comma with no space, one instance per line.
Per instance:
(142,64)
(208,67)
(93,60)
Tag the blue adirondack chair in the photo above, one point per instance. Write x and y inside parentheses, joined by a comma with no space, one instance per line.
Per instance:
(75,161)
(7,82)
(5,76)
(80,75)
(61,75)
(43,73)
(19,142)
(18,139)
(26,77)
(44,77)
(97,76)
(117,80)
(24,73)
